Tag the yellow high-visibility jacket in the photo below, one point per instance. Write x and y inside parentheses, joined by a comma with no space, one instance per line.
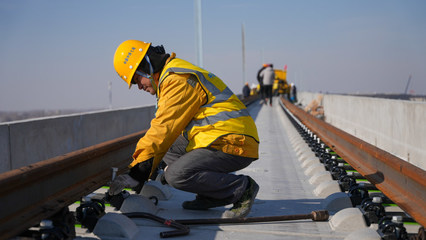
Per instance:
(197,104)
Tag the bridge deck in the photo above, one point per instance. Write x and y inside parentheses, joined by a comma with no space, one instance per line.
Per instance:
(284,190)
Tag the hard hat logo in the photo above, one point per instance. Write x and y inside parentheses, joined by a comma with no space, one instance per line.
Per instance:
(126,59)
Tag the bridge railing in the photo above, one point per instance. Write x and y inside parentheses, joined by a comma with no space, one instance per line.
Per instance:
(395,126)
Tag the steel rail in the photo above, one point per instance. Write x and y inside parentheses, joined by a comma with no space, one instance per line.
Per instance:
(402,182)
(37,191)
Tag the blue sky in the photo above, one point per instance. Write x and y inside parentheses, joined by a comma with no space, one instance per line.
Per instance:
(58,54)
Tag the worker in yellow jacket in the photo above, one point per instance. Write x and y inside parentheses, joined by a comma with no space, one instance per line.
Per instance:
(201,130)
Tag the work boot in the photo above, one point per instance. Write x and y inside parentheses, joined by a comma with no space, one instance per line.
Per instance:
(204,203)
(243,206)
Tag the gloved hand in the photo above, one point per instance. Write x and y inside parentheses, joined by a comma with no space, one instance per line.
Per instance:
(135,179)
(117,199)
(121,182)
(162,176)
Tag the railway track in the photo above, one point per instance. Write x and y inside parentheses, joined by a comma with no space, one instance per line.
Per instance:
(371,177)
(39,191)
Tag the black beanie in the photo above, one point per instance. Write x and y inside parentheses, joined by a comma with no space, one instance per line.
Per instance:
(157,56)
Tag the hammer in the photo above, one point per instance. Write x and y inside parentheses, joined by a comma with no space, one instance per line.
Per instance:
(319,215)
(182,229)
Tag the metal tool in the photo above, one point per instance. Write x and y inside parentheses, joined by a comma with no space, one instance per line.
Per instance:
(181,229)
(320,215)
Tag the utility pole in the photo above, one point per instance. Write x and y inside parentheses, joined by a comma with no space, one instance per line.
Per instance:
(244,53)
(408,83)
(110,94)
(198,32)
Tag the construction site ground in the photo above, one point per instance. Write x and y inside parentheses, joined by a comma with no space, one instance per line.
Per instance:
(284,190)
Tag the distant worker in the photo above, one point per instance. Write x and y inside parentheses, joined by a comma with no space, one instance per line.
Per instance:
(246,90)
(293,93)
(268,76)
(254,89)
(201,130)
(260,80)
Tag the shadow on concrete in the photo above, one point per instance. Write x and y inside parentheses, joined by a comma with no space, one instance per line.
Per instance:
(254,109)
(284,207)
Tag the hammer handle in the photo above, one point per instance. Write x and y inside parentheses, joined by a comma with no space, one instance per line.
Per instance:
(321,215)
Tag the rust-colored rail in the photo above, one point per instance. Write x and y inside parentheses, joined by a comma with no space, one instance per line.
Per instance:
(402,182)
(36,192)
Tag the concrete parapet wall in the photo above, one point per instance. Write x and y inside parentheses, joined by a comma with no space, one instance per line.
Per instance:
(26,142)
(396,126)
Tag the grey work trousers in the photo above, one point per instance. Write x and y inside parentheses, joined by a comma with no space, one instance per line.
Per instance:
(206,172)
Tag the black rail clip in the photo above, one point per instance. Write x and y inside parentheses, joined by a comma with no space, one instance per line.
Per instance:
(392,228)
(88,213)
(372,210)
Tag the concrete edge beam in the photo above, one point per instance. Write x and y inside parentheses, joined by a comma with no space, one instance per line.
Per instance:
(156,189)
(138,203)
(5,161)
(314,169)
(364,234)
(337,201)
(115,226)
(310,161)
(348,220)
(326,188)
(304,153)
(320,177)
(300,146)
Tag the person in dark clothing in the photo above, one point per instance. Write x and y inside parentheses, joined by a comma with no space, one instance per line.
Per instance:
(293,93)
(260,80)
(246,90)
(268,76)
